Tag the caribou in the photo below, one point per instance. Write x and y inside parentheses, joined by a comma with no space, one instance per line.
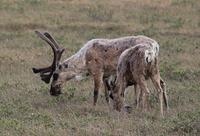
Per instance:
(97,58)
(136,65)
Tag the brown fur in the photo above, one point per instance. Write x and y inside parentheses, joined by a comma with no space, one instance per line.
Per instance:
(132,67)
(101,59)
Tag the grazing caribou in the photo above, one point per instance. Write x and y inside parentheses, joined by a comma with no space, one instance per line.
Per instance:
(97,58)
(136,65)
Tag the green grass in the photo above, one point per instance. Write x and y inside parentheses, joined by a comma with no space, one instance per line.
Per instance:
(26,108)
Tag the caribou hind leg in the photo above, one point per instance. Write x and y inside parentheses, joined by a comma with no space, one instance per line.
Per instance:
(156,81)
(163,85)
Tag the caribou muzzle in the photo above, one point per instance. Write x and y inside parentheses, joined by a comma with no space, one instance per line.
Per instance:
(55,90)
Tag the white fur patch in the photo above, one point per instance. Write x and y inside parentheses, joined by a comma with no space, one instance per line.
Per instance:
(150,55)
(155,48)
(79,77)
(111,79)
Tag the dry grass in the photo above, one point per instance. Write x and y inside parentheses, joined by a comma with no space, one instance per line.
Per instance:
(26,108)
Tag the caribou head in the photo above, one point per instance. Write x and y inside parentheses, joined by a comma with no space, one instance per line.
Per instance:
(55,68)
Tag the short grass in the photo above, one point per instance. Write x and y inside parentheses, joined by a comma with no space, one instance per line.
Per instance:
(26,108)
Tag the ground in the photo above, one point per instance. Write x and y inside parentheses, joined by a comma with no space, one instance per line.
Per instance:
(26,108)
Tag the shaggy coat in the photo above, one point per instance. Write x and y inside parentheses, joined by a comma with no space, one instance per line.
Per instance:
(135,66)
(99,58)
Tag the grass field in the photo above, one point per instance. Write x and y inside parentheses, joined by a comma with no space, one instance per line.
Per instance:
(26,108)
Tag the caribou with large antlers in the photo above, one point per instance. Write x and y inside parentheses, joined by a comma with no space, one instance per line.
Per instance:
(98,58)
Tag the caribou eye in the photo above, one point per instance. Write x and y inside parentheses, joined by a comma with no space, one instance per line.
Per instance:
(55,76)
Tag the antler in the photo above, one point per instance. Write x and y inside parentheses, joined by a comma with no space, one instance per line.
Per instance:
(47,72)
(61,50)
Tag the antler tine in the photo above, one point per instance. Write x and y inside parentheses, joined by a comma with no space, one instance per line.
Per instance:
(43,70)
(42,36)
(52,39)
(60,53)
